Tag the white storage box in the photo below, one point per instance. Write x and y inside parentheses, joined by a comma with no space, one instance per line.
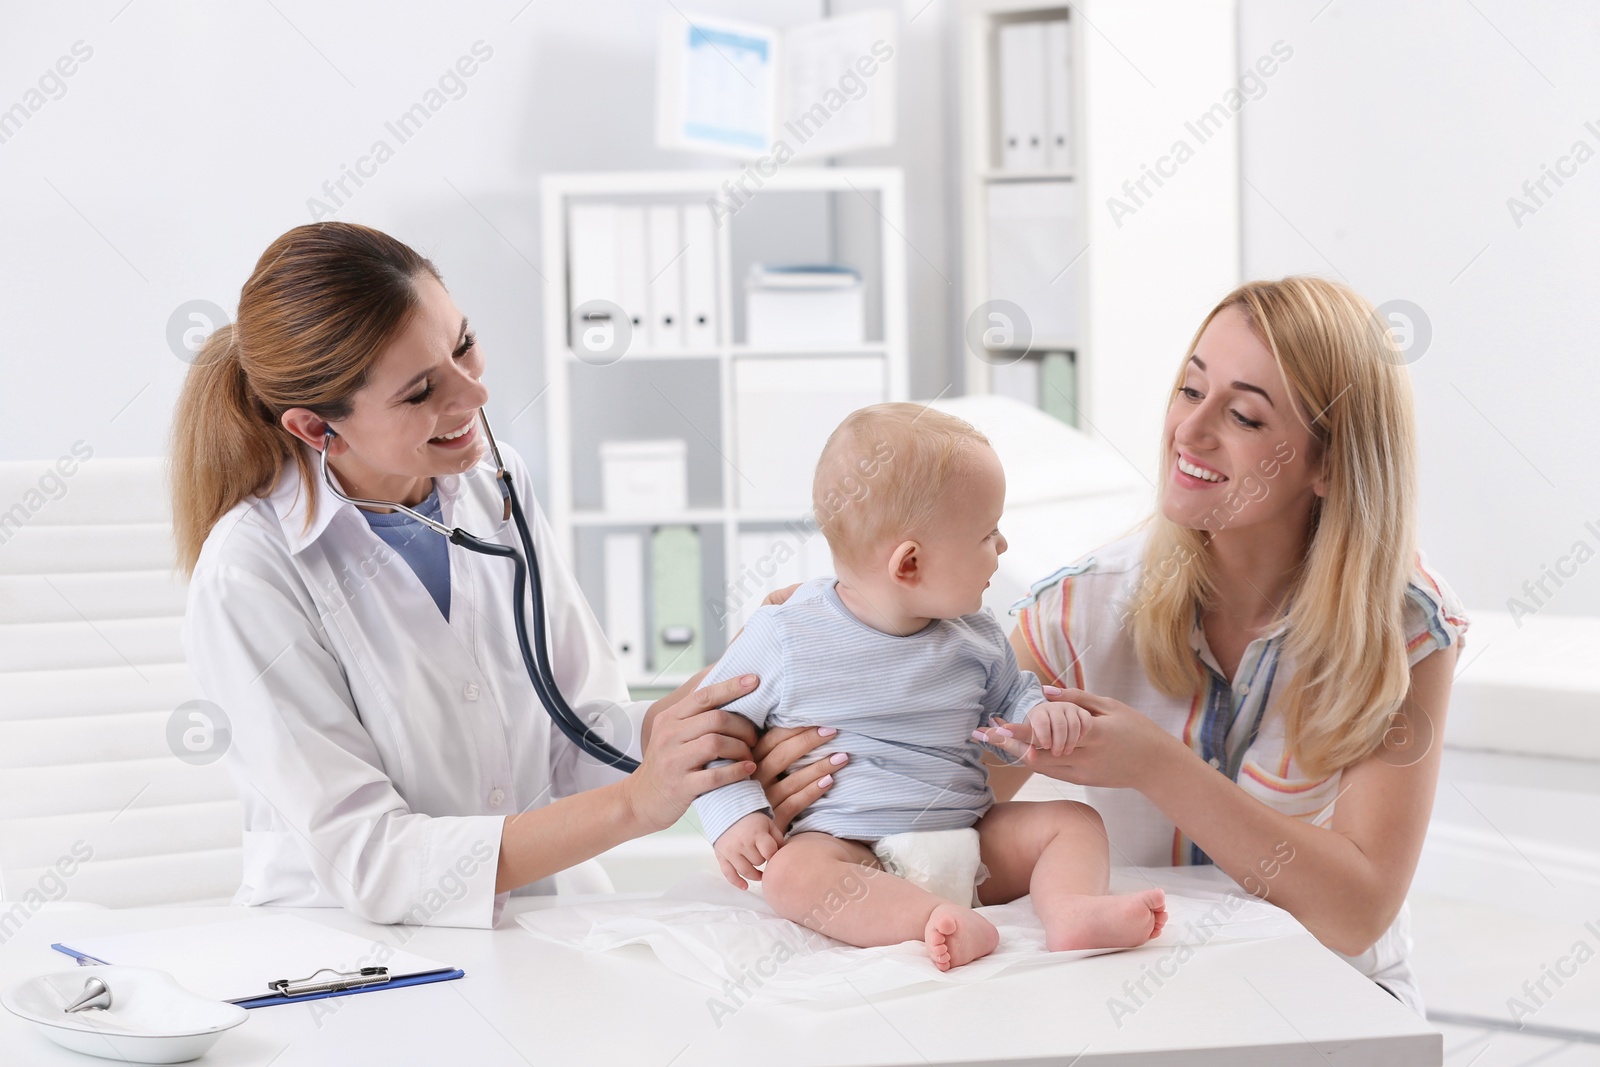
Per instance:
(799,307)
(644,477)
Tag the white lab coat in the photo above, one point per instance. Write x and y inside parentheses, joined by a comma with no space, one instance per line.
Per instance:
(378,748)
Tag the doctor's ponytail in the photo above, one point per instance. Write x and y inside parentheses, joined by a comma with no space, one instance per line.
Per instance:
(223,443)
(323,302)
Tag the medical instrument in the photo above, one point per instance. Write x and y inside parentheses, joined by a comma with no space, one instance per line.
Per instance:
(96,996)
(536,660)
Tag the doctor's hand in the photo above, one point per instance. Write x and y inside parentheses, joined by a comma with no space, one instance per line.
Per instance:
(1120,749)
(776,752)
(778,596)
(683,740)
(745,846)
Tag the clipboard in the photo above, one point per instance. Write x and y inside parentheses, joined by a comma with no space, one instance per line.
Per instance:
(262,962)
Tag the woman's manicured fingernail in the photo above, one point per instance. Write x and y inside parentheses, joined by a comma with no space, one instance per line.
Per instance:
(837,758)
(825,781)
(826,731)
(748,680)
(978,735)
(1003,732)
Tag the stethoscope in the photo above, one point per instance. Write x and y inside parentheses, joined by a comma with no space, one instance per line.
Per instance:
(527,565)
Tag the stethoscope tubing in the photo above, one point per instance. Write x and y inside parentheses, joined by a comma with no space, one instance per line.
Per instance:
(526,572)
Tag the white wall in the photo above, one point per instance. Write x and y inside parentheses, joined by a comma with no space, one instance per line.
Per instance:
(1384,154)
(1157,260)
(195,134)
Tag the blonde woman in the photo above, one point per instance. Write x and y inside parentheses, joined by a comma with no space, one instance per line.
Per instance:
(1266,660)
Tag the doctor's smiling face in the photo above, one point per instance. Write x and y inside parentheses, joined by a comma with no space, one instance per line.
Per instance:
(1238,451)
(416,416)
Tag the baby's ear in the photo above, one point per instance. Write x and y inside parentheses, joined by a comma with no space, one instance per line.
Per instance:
(905,562)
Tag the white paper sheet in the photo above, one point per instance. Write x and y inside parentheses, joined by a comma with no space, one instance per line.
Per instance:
(829,104)
(713,934)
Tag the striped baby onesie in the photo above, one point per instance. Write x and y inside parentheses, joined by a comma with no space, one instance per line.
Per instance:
(905,708)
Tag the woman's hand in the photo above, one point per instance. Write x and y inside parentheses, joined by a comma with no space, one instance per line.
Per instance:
(1121,748)
(776,752)
(683,739)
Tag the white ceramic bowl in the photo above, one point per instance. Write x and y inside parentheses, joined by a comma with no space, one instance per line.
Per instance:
(152,1019)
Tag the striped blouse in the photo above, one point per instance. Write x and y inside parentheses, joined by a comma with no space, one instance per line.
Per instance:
(1072,621)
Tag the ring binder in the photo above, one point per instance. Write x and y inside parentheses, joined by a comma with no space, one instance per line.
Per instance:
(299,987)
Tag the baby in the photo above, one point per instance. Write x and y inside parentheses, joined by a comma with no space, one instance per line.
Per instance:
(898,653)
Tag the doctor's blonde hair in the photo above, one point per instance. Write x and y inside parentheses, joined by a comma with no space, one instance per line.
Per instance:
(1345,638)
(323,301)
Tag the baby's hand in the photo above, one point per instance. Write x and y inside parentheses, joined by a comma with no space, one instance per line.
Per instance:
(746,845)
(1055,726)
(1058,727)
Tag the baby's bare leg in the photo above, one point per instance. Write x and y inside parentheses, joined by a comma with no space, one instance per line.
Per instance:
(837,888)
(1057,851)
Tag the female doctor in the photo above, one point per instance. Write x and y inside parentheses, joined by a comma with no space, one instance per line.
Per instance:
(390,753)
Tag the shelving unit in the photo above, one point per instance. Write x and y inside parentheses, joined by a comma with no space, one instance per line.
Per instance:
(1018,369)
(1137,286)
(696,386)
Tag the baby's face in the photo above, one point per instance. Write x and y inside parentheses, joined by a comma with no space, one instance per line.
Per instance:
(962,552)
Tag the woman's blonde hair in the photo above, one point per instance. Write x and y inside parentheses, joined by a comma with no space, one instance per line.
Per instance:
(1345,637)
(323,302)
(883,473)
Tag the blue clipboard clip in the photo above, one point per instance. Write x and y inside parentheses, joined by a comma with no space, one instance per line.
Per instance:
(339,983)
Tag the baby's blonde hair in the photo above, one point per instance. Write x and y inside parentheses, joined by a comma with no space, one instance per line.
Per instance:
(883,473)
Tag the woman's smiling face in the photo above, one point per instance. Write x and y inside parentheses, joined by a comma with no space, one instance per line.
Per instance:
(1236,451)
(416,418)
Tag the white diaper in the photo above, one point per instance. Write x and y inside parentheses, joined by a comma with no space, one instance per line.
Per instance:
(944,862)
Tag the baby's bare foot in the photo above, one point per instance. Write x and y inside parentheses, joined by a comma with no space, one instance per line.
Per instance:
(1161,914)
(1126,921)
(957,935)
